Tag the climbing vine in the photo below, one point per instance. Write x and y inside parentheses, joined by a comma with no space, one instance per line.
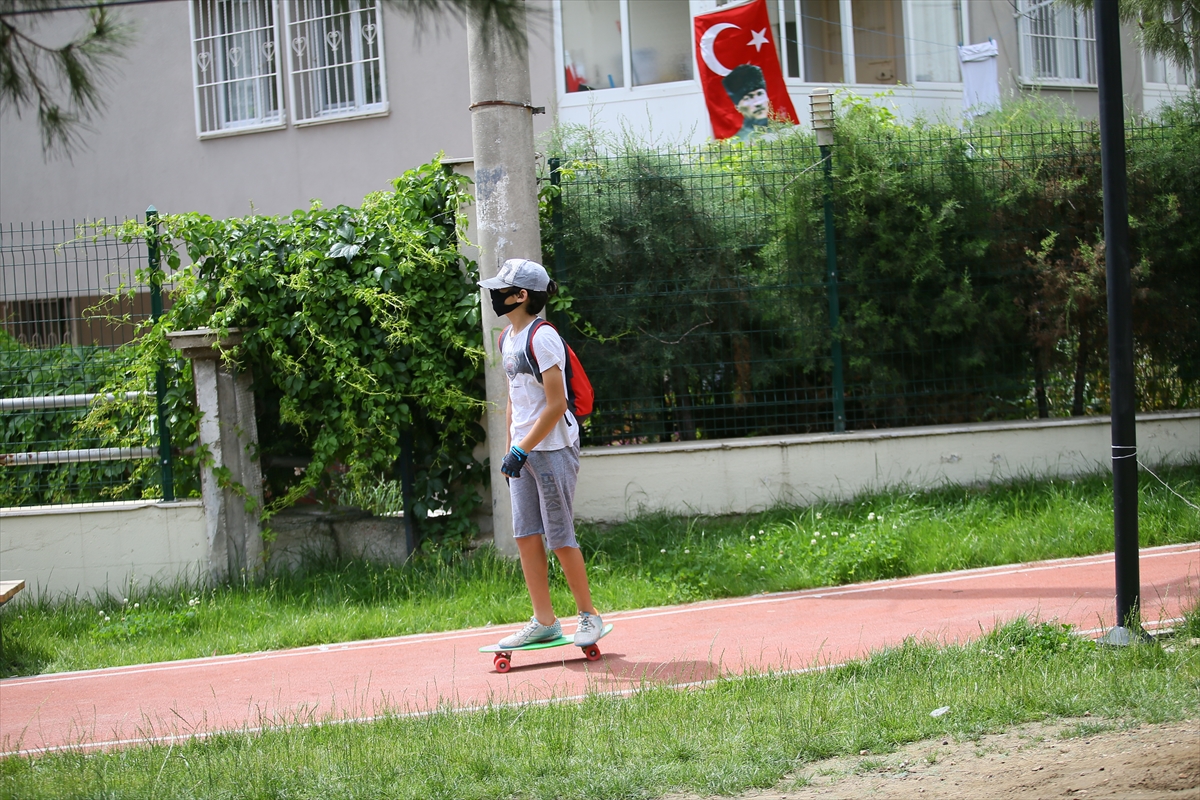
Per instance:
(357,324)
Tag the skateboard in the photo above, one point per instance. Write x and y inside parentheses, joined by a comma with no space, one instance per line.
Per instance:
(502,658)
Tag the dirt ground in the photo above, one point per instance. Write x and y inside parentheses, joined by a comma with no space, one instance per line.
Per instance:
(1076,758)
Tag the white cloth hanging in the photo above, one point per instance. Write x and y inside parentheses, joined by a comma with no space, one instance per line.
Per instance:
(981,81)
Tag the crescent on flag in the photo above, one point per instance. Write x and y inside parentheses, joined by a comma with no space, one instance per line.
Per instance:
(706,48)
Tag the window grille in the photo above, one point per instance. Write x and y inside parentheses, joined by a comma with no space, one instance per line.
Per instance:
(234,65)
(39,323)
(1058,43)
(335,49)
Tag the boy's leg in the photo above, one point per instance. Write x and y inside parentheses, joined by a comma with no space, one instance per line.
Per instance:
(527,528)
(556,473)
(537,579)
(575,570)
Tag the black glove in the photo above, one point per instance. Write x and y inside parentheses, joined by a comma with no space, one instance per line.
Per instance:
(512,463)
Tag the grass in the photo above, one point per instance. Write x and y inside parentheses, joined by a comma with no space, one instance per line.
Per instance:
(737,734)
(653,560)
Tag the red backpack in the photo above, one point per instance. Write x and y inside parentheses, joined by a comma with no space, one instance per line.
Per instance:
(580,395)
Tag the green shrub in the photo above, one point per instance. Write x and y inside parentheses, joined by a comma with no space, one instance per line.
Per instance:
(358,324)
(970,262)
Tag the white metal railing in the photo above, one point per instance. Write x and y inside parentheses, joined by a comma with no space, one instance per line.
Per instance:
(71,456)
(63,401)
(77,456)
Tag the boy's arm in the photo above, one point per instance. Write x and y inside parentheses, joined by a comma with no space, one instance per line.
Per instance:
(556,406)
(508,424)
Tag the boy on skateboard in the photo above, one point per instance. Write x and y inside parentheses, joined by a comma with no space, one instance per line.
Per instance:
(542,463)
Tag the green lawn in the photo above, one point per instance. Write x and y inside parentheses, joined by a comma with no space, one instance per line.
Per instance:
(738,733)
(654,560)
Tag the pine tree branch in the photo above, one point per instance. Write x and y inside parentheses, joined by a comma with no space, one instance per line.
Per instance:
(64,84)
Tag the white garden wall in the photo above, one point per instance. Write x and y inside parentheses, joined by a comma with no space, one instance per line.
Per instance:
(740,475)
(87,548)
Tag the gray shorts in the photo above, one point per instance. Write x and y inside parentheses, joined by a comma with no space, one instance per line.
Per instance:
(543,498)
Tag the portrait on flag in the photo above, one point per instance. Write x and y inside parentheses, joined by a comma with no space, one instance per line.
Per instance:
(739,70)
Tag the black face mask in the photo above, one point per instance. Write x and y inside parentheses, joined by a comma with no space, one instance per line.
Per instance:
(499,301)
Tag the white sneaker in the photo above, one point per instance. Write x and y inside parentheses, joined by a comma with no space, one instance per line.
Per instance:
(532,633)
(590,628)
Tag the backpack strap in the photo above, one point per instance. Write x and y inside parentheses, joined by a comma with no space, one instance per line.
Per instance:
(538,323)
(533,362)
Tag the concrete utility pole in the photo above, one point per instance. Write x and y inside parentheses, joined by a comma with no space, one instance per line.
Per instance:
(506,208)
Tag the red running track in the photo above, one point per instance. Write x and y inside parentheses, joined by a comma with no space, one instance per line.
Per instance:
(671,645)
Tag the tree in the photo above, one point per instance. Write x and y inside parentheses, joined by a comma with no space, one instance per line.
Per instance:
(1169,28)
(64,83)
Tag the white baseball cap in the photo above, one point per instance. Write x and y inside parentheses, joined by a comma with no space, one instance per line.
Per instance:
(519,273)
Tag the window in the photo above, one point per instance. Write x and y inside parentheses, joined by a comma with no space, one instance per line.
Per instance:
(334,49)
(39,323)
(1160,70)
(336,57)
(592,44)
(652,46)
(875,47)
(234,66)
(935,32)
(1058,43)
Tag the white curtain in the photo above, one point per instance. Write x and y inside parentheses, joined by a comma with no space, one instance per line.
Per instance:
(933,41)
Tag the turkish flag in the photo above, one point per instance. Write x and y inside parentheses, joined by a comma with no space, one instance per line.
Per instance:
(739,69)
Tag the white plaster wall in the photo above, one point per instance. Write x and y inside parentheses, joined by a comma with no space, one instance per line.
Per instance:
(742,475)
(143,149)
(83,549)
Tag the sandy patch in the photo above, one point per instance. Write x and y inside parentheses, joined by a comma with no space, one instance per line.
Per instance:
(1075,758)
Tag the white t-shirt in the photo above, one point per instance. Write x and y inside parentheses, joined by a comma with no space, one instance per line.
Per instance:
(526,393)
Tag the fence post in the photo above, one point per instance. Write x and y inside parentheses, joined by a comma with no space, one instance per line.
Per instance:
(406,489)
(831,275)
(165,466)
(556,219)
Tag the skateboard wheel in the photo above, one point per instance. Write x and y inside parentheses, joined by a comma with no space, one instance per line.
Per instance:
(591,653)
(502,664)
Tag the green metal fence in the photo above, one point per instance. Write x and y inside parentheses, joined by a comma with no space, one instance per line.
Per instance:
(964,281)
(70,298)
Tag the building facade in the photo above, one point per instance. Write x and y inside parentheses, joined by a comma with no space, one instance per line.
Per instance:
(231,106)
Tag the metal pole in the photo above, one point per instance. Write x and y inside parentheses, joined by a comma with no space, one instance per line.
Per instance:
(556,218)
(831,275)
(1120,327)
(160,380)
(406,490)
(560,257)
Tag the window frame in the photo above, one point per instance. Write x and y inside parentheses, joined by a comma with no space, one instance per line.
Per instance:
(380,109)
(627,89)
(849,58)
(1189,77)
(277,121)
(1025,50)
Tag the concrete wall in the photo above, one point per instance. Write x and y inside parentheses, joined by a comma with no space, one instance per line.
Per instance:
(84,549)
(144,149)
(741,475)
(995,19)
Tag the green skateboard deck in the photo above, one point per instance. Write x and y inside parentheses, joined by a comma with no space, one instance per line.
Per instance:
(502,658)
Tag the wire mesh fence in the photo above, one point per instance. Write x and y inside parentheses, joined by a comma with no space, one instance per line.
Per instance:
(70,298)
(964,281)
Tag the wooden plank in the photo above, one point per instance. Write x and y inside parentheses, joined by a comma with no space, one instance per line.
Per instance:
(8,589)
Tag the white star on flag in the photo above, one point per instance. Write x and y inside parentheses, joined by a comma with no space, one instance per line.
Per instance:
(760,38)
